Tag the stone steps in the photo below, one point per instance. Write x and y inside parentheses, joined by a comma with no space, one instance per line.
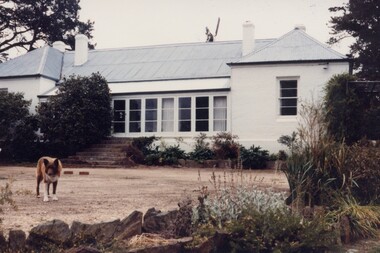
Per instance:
(107,154)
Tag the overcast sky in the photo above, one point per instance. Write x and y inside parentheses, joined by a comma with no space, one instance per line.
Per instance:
(125,23)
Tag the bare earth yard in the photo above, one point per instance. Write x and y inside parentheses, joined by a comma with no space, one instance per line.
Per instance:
(109,194)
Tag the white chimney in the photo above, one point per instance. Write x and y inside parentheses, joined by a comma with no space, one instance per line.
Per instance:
(59,45)
(300,27)
(81,49)
(248,38)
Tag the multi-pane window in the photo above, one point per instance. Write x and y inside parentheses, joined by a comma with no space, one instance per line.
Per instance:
(167,118)
(184,114)
(288,97)
(119,116)
(135,115)
(220,113)
(151,115)
(201,114)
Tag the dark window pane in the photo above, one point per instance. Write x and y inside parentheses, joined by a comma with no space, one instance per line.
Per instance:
(185,126)
(151,126)
(184,102)
(135,116)
(151,104)
(119,127)
(119,115)
(151,115)
(201,125)
(135,104)
(184,114)
(134,127)
(119,104)
(288,84)
(289,111)
(288,102)
(289,93)
(201,102)
(202,113)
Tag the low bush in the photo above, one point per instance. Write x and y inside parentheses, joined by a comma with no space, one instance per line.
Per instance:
(254,220)
(170,155)
(225,146)
(254,157)
(202,149)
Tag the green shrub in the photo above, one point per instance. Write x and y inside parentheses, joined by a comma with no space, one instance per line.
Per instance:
(254,157)
(225,146)
(171,154)
(202,149)
(279,230)
(79,115)
(254,220)
(18,140)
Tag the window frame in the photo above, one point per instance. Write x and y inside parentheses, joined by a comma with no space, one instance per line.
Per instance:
(282,98)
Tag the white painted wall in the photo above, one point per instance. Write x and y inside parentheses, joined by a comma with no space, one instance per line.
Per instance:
(254,99)
(31,87)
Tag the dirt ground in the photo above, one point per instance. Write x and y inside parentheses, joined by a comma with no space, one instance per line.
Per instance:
(109,194)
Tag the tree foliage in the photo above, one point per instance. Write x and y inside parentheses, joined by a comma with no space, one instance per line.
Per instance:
(24,24)
(351,112)
(360,20)
(17,126)
(79,115)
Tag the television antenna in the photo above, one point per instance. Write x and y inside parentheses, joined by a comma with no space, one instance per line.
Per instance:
(210,36)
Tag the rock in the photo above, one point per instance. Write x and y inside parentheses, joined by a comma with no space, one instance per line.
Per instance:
(94,233)
(17,240)
(156,221)
(3,242)
(51,233)
(130,226)
(83,249)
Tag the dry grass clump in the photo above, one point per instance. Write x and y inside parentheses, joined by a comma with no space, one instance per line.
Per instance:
(148,240)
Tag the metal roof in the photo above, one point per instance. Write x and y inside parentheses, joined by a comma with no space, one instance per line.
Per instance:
(45,61)
(168,62)
(293,46)
(165,62)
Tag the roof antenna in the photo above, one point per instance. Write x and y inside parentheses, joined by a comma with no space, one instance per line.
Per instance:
(210,36)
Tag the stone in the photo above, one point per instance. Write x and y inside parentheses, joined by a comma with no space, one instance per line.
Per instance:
(103,232)
(83,249)
(55,232)
(156,221)
(130,226)
(3,242)
(16,240)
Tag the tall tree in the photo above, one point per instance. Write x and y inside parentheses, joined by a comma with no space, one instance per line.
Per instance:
(24,24)
(360,19)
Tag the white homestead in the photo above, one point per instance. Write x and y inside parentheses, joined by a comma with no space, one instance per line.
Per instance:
(252,88)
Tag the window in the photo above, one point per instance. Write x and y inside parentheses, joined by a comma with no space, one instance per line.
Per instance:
(220,113)
(167,120)
(119,116)
(184,114)
(151,115)
(135,115)
(201,114)
(288,97)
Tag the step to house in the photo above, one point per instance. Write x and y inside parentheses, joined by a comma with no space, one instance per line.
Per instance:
(107,154)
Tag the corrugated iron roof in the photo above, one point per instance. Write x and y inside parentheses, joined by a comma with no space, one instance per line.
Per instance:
(165,62)
(293,46)
(168,62)
(45,61)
